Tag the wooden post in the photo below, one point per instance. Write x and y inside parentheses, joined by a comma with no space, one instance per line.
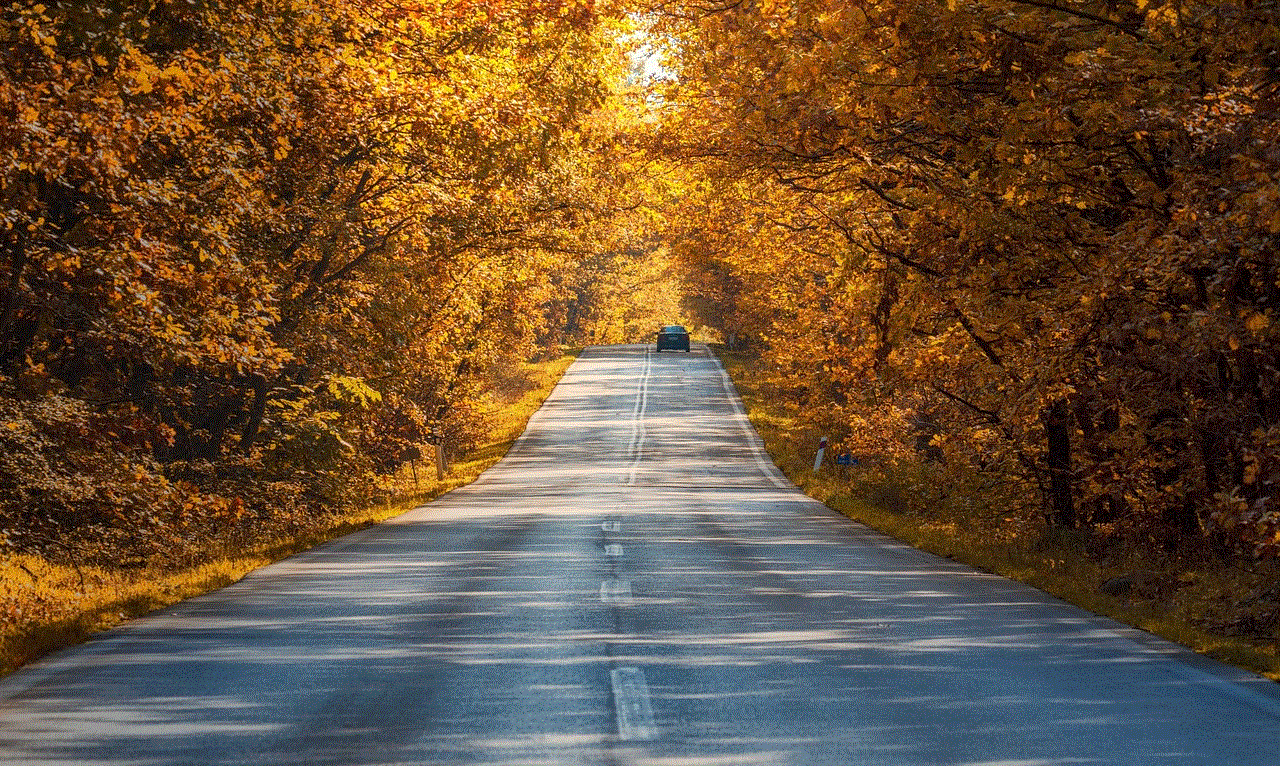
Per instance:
(441,467)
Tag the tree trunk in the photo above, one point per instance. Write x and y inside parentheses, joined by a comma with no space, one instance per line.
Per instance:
(1057,429)
(257,408)
(12,346)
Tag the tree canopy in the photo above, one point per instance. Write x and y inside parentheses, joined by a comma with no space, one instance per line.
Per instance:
(256,255)
(1039,237)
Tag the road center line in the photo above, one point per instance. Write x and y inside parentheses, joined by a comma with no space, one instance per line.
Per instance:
(637,419)
(631,702)
(616,592)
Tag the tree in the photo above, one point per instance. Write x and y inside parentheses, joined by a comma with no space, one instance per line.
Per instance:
(241,241)
(1033,225)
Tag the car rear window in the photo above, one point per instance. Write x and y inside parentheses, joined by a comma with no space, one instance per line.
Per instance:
(674,328)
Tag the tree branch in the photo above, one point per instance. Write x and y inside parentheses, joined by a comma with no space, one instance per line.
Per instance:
(1082,15)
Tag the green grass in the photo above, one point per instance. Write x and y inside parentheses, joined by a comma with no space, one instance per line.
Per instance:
(1200,602)
(45,606)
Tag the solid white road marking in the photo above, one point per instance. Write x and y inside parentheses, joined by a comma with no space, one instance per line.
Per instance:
(616,592)
(766,466)
(637,419)
(631,701)
(613,549)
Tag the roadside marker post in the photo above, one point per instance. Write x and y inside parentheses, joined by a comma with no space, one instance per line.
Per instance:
(822,450)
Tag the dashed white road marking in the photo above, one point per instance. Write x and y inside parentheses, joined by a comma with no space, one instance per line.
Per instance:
(613,549)
(631,702)
(616,592)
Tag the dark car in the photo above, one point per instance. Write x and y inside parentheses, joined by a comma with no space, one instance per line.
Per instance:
(673,337)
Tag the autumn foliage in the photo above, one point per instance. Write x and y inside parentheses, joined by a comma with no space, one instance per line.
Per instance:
(1031,242)
(256,256)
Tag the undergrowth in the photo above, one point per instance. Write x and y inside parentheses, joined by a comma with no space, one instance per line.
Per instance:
(46,605)
(1219,606)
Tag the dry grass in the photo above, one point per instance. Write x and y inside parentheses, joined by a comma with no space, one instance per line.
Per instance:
(1214,606)
(44,606)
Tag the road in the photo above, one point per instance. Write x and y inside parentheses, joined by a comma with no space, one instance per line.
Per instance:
(633,584)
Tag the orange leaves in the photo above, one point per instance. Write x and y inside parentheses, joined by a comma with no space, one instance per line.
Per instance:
(211,206)
(1251,510)
(1026,204)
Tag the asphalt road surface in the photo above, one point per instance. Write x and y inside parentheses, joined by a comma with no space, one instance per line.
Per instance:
(634,584)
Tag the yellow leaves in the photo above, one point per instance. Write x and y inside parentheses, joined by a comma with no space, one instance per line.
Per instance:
(138,70)
(773,7)
(1251,467)
(1136,310)
(187,231)
(1017,196)
(1165,16)
(282,147)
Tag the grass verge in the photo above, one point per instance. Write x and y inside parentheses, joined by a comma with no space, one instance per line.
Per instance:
(1219,608)
(45,606)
